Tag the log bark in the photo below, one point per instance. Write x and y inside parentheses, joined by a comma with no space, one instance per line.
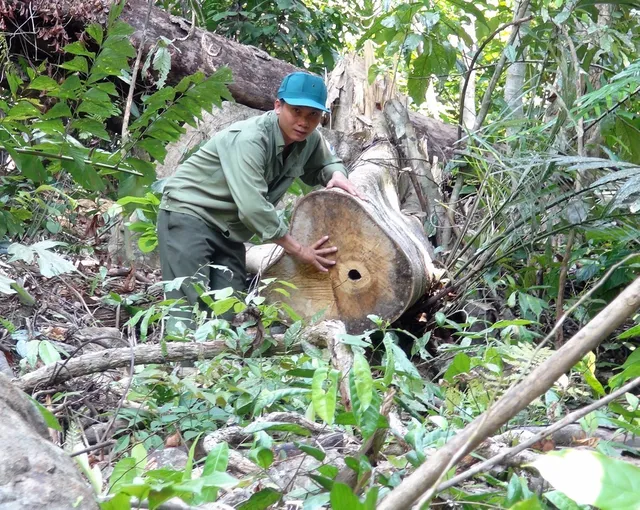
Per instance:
(256,75)
(383,265)
(317,335)
(357,109)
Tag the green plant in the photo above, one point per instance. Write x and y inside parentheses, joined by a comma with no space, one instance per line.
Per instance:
(56,121)
(305,33)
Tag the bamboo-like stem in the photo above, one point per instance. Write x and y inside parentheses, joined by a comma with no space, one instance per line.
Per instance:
(62,157)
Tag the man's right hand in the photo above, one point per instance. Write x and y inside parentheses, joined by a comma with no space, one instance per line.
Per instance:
(314,255)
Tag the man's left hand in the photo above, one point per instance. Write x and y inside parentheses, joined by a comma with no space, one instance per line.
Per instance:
(338,180)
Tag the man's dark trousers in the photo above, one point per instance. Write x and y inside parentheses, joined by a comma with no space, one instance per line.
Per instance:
(187,245)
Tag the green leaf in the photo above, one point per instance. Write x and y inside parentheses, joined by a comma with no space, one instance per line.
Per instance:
(532,503)
(514,322)
(630,333)
(57,111)
(316,453)
(78,48)
(591,478)
(155,148)
(263,457)
(14,82)
(324,402)
(401,362)
(85,175)
(78,63)
(363,380)
(261,500)
(343,498)
(23,110)
(95,31)
(563,502)
(123,473)
(48,353)
(30,166)
(50,127)
(294,428)
(49,418)
(461,364)
(43,83)
(91,128)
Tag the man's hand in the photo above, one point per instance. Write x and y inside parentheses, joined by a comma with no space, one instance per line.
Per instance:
(313,255)
(338,180)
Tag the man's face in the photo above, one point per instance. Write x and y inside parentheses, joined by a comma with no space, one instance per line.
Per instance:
(296,122)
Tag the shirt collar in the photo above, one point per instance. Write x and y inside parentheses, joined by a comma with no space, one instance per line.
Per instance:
(278,135)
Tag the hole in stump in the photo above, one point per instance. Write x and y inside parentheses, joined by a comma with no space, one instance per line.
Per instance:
(354,274)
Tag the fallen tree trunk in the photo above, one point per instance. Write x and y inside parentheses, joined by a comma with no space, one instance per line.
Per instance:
(109,359)
(382,262)
(256,75)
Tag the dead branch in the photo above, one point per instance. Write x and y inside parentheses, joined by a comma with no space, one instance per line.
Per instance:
(516,399)
(561,433)
(116,358)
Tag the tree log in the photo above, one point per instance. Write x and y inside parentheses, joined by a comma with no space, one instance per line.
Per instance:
(256,75)
(382,262)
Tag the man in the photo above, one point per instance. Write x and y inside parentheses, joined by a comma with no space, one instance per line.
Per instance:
(225,192)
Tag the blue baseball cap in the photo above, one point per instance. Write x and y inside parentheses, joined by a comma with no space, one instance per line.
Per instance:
(304,89)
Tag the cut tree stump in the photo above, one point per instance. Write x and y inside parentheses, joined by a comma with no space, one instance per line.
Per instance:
(382,262)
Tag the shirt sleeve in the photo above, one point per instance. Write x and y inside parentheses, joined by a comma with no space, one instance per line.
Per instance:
(243,163)
(322,164)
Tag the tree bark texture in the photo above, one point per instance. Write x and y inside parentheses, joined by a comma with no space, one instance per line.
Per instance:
(382,262)
(256,75)
(355,103)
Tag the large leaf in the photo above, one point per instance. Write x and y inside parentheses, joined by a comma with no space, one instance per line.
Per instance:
(591,478)
(363,380)
(261,500)
(324,401)
(30,166)
(437,59)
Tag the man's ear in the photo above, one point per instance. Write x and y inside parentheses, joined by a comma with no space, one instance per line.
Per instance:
(277,106)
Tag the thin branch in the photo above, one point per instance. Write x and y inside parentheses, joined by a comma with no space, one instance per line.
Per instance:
(516,398)
(567,420)
(134,76)
(91,448)
(607,112)
(486,100)
(49,155)
(475,58)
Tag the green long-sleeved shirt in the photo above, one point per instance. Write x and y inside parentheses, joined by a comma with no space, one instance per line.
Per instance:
(236,178)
